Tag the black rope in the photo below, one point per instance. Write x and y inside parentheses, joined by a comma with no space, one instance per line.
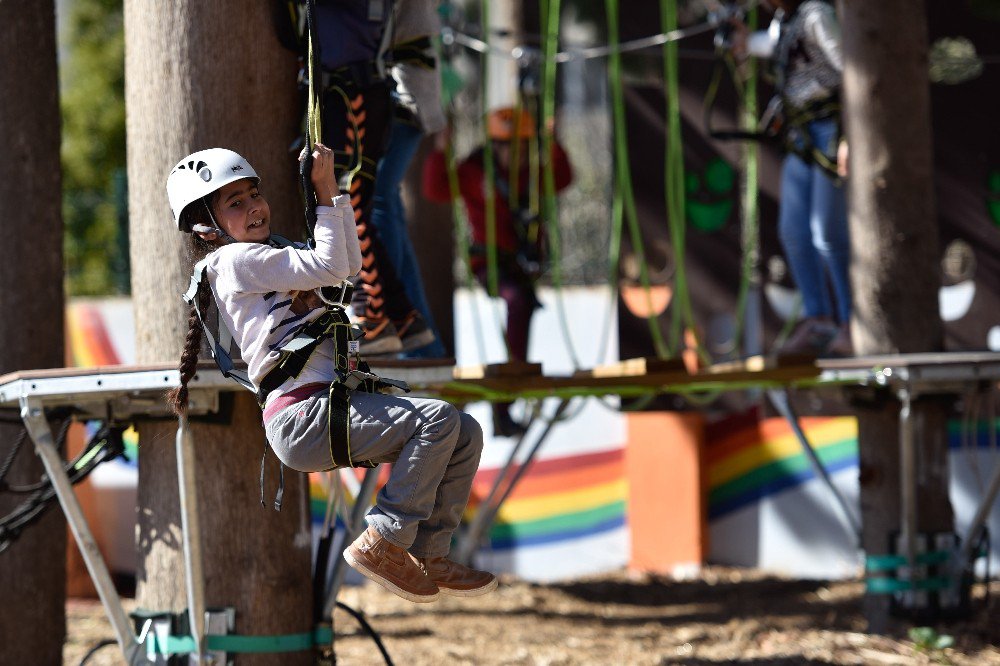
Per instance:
(90,653)
(108,441)
(369,630)
(9,462)
(60,440)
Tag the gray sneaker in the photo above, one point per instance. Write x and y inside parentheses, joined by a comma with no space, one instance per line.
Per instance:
(414,332)
(380,337)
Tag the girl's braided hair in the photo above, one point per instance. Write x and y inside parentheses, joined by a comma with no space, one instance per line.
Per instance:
(177,398)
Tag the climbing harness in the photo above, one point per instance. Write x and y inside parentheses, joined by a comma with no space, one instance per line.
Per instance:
(782,123)
(352,373)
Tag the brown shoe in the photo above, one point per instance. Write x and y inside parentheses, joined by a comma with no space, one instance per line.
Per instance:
(456,579)
(391,567)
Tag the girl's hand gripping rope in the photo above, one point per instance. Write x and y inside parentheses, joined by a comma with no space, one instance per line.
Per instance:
(322,174)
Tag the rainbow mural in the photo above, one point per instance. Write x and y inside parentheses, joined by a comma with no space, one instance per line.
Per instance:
(763,458)
(559,499)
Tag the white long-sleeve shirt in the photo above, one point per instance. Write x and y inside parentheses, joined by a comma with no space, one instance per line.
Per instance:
(253,285)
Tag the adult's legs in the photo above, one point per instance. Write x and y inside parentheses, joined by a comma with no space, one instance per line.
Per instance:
(356,122)
(389,218)
(795,232)
(828,220)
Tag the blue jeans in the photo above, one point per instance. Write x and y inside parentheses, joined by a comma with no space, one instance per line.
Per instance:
(812,225)
(389,219)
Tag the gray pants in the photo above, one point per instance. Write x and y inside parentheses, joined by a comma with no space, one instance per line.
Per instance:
(435,449)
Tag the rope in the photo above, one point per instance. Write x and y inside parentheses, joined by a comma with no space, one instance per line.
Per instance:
(489,186)
(623,176)
(451,36)
(673,170)
(550,19)
(697,390)
(313,131)
(751,210)
(5,467)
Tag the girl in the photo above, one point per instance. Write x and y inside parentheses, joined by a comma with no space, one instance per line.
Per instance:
(269,295)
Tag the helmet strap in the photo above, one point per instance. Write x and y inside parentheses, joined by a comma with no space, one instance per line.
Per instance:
(217,228)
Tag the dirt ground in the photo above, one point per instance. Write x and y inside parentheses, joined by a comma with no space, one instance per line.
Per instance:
(724,616)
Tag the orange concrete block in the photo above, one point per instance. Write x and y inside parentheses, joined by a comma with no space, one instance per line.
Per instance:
(667,510)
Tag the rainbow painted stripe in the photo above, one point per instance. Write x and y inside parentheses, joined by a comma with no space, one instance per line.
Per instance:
(764,457)
(557,500)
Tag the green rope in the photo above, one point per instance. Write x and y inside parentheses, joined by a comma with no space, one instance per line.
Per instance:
(314,129)
(550,19)
(705,390)
(674,184)
(489,186)
(749,276)
(623,176)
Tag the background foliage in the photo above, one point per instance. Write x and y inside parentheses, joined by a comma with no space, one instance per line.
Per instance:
(92,92)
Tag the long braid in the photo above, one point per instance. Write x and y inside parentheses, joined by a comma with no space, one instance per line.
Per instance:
(177,398)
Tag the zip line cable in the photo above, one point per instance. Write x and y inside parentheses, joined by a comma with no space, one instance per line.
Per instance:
(450,35)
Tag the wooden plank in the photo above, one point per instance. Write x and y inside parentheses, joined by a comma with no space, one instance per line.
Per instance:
(762,364)
(498,370)
(634,367)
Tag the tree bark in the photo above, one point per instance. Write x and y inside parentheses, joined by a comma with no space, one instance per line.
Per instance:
(895,271)
(434,247)
(33,569)
(201,75)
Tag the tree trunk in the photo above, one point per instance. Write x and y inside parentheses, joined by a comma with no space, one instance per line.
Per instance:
(202,75)
(434,247)
(895,271)
(33,569)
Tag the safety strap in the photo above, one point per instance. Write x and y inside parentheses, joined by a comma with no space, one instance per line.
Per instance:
(220,353)
(234,643)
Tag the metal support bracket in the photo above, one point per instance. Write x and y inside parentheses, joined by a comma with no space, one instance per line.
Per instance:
(779,398)
(33,415)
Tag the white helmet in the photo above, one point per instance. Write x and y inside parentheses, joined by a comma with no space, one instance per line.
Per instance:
(201,173)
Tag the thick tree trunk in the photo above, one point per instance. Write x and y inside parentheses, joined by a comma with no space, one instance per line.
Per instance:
(434,246)
(201,75)
(33,569)
(894,239)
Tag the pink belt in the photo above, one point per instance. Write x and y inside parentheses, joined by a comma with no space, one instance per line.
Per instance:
(297,394)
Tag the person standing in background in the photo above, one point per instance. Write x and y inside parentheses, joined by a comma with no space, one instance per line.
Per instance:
(803,43)
(416,112)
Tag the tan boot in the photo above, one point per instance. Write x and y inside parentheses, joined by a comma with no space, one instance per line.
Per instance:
(391,567)
(456,579)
